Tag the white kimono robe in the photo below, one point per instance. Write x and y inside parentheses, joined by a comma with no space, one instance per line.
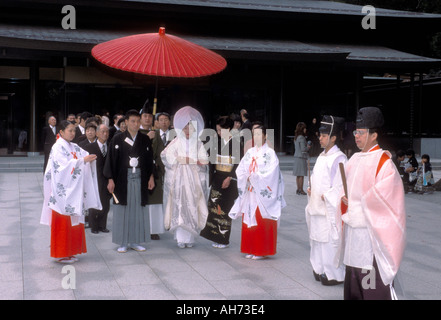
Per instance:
(260,184)
(185,186)
(375,221)
(70,185)
(324,232)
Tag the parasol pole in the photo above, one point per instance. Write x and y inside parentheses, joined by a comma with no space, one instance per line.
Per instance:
(155,100)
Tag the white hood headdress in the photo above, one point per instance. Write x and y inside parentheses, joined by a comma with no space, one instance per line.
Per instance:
(186,114)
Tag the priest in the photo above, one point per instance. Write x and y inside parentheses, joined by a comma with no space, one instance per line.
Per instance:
(324,195)
(373,213)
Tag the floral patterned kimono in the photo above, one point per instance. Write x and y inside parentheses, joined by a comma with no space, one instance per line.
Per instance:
(186,184)
(70,188)
(185,190)
(260,202)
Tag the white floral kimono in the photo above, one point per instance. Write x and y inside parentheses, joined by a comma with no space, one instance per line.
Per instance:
(185,186)
(260,184)
(70,185)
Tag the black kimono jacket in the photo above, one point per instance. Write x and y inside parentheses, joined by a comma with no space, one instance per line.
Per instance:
(117,163)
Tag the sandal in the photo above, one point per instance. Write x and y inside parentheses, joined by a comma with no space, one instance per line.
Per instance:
(66,260)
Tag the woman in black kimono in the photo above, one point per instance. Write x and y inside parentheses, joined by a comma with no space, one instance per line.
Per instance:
(223,184)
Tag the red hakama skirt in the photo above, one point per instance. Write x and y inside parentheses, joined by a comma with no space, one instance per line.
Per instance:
(66,240)
(260,240)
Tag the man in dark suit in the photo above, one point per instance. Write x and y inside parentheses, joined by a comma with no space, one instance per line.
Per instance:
(115,128)
(49,137)
(98,218)
(159,142)
(80,130)
(246,123)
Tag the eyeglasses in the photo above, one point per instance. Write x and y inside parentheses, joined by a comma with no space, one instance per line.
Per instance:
(359,132)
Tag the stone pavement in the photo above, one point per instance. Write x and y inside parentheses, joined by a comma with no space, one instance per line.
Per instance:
(165,272)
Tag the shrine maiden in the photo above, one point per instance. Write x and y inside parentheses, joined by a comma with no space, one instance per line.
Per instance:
(260,201)
(70,188)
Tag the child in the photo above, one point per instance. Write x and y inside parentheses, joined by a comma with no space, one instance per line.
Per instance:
(425,176)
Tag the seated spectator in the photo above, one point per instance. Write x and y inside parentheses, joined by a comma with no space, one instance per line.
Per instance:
(425,176)
(398,161)
(410,169)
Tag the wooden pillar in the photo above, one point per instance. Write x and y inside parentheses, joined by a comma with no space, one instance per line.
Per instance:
(411,111)
(358,91)
(420,106)
(281,140)
(33,148)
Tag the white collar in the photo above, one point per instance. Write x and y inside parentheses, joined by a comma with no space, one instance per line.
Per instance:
(100,144)
(334,149)
(373,147)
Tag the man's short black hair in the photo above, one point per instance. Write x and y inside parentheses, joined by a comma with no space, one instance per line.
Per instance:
(132,112)
(86,115)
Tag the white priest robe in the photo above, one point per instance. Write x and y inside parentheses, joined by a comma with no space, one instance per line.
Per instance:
(375,221)
(260,184)
(185,187)
(320,213)
(70,184)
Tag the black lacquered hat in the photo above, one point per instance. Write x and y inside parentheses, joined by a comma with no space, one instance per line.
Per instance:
(369,118)
(331,125)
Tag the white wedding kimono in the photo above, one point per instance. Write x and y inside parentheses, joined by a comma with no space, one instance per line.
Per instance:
(375,221)
(185,188)
(70,185)
(260,184)
(324,232)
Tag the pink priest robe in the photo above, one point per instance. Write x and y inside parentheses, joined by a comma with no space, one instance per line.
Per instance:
(375,218)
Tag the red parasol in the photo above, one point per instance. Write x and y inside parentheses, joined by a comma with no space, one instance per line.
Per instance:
(160,55)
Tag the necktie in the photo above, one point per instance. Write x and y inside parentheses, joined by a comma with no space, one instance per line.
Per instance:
(103,150)
(164,138)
